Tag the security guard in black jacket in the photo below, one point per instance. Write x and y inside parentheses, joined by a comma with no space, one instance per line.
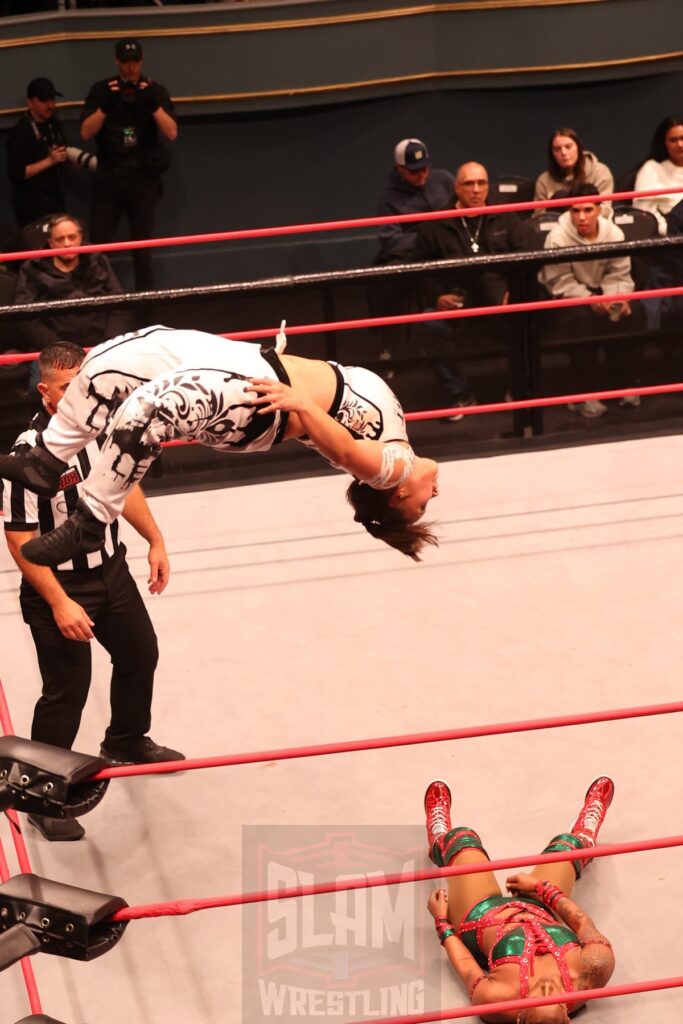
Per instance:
(126,115)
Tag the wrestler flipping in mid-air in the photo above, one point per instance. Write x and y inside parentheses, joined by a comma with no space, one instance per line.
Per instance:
(535,942)
(159,384)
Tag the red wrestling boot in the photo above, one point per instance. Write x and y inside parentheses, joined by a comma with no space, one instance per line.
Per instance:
(438,809)
(592,814)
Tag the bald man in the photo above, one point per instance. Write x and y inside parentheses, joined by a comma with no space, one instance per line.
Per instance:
(472,235)
(475,234)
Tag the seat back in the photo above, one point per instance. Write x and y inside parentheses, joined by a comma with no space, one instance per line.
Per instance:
(34,235)
(637,225)
(511,188)
(536,229)
(626,181)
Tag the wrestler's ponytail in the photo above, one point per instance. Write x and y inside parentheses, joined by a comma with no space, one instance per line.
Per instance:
(384,522)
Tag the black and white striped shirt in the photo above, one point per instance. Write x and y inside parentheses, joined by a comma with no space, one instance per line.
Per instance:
(25,512)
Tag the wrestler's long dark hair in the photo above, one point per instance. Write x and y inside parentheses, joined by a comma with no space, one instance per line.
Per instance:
(385,522)
(559,173)
(658,150)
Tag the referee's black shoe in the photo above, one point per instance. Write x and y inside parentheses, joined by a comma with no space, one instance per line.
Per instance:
(57,830)
(81,533)
(142,750)
(36,468)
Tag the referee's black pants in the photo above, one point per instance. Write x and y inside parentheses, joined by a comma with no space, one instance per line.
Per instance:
(122,625)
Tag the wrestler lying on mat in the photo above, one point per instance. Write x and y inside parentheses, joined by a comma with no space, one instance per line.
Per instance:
(535,942)
(159,384)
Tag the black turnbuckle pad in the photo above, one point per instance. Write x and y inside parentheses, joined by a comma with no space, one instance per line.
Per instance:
(16,943)
(67,921)
(41,779)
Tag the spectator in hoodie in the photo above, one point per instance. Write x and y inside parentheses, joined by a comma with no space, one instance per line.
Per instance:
(581,225)
(569,166)
(68,276)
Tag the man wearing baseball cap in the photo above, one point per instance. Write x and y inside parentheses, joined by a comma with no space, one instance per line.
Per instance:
(35,150)
(126,115)
(413,187)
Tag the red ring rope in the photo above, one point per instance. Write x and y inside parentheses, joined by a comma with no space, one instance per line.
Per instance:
(487,1009)
(24,864)
(180,908)
(415,318)
(458,314)
(335,225)
(382,742)
(511,406)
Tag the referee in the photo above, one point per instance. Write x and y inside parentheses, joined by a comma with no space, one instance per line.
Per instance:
(92,596)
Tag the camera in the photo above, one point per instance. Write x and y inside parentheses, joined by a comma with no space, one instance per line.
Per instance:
(81,158)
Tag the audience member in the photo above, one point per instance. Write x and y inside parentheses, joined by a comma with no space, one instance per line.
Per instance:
(582,224)
(413,187)
(457,237)
(126,114)
(35,150)
(663,169)
(68,276)
(569,164)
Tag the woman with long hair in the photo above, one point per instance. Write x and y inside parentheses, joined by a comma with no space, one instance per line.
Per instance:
(663,169)
(570,165)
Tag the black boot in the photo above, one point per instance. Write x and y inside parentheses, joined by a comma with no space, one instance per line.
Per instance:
(81,533)
(142,750)
(56,830)
(37,469)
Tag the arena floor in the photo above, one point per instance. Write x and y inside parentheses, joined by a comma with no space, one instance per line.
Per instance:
(556,590)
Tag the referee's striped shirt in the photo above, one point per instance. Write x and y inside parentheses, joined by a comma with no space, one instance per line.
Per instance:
(25,511)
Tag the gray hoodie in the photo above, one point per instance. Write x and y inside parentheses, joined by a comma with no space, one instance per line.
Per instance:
(595,173)
(609,275)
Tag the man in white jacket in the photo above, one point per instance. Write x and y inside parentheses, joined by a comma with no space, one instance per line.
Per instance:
(583,224)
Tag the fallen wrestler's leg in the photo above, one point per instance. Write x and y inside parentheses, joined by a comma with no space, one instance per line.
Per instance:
(582,835)
(460,845)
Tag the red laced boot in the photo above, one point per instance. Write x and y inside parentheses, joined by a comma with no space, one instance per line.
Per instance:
(592,814)
(438,810)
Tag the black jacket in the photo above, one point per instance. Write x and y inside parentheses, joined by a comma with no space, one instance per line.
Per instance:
(452,239)
(397,240)
(27,143)
(41,281)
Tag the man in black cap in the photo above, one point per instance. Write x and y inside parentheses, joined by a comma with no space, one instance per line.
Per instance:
(413,187)
(35,150)
(126,114)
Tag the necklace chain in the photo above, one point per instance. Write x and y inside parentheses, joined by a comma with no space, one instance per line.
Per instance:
(474,238)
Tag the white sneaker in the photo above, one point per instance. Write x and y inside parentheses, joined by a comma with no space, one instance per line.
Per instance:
(630,401)
(590,409)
